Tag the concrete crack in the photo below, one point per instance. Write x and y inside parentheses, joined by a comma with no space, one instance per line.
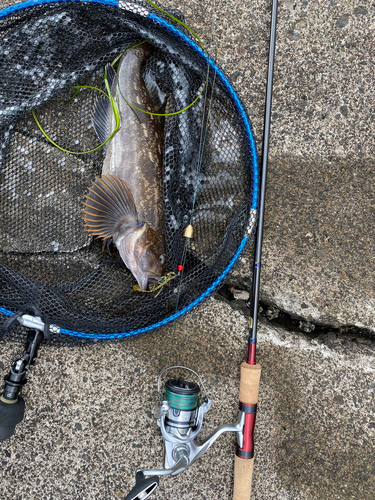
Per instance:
(294,323)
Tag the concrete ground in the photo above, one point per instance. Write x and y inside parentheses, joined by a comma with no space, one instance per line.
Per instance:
(88,422)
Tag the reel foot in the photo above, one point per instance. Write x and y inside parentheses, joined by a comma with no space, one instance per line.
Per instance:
(11,414)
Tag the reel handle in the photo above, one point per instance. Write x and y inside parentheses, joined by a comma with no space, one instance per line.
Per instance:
(243,466)
(144,487)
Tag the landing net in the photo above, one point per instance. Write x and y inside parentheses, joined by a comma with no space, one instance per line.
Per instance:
(49,265)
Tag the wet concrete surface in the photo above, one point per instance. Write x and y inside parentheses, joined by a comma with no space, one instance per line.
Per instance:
(88,423)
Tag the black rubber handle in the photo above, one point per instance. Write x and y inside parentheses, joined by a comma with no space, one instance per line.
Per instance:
(11,414)
(143,487)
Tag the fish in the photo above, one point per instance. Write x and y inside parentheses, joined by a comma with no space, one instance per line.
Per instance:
(126,202)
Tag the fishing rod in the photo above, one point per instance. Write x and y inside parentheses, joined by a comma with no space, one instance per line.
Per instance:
(180,416)
(250,369)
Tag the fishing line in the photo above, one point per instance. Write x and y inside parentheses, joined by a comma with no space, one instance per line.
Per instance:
(160,392)
(201,149)
(188,238)
(174,321)
(202,143)
(72,300)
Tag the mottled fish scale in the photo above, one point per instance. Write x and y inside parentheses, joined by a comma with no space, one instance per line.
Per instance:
(126,202)
(134,154)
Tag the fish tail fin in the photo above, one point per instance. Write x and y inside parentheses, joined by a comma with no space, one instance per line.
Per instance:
(109,204)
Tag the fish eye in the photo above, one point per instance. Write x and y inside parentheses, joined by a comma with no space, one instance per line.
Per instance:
(162,259)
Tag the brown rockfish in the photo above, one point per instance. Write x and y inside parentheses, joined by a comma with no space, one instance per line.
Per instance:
(126,202)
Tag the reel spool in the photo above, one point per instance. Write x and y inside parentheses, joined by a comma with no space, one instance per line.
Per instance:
(182,397)
(180,418)
(53,276)
(47,263)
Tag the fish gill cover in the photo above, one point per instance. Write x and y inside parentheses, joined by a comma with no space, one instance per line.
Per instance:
(49,264)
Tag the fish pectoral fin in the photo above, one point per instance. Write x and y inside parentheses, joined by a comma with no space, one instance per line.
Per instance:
(111,76)
(109,205)
(103,109)
(101,118)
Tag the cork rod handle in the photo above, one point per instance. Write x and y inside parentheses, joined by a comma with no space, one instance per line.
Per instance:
(243,476)
(243,467)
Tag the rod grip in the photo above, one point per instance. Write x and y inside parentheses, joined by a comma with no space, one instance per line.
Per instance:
(249,383)
(243,467)
(243,475)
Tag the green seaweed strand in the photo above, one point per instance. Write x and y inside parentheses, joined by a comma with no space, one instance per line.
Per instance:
(123,52)
(112,101)
(204,50)
(179,22)
(114,109)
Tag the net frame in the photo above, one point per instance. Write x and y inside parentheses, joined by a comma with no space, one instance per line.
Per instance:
(77,330)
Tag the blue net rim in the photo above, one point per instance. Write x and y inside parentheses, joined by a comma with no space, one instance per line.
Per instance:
(254,160)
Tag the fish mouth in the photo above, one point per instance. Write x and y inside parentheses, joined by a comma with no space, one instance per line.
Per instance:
(134,249)
(147,282)
(153,281)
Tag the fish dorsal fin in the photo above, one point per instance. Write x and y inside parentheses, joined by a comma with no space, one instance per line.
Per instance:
(109,207)
(103,109)
(111,76)
(158,97)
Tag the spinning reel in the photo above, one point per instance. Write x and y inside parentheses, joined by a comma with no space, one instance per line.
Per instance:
(180,418)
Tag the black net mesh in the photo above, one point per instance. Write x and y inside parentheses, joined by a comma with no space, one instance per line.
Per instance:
(49,265)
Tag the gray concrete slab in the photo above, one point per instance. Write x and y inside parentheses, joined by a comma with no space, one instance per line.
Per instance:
(88,422)
(318,257)
(319,235)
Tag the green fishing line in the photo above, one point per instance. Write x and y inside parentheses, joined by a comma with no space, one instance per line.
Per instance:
(182,401)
